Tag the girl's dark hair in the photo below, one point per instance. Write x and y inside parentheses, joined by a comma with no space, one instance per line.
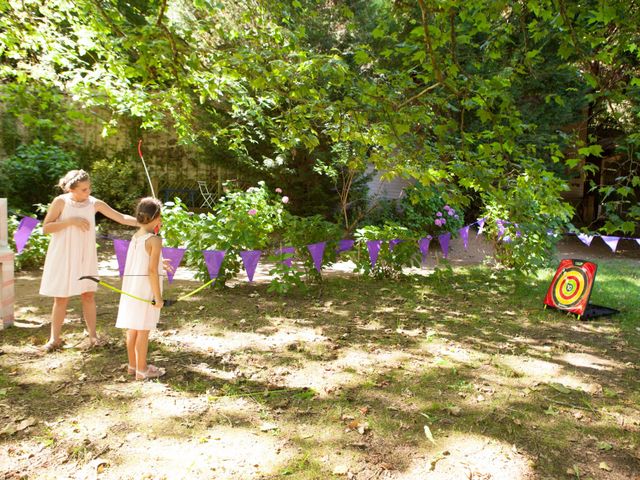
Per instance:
(148,210)
(72,179)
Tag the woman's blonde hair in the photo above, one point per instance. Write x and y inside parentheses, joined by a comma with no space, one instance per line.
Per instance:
(148,210)
(72,179)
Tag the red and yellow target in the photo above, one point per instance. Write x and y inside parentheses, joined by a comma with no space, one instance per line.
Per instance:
(571,286)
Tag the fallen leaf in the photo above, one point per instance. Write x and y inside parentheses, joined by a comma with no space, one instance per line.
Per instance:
(428,434)
(266,427)
(605,446)
(560,388)
(604,466)
(24,424)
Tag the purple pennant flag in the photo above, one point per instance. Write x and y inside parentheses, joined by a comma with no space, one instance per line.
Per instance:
(23,232)
(344,245)
(638,241)
(586,239)
(213,260)
(612,242)
(464,235)
(317,252)
(121,247)
(374,249)
(444,243)
(393,243)
(174,255)
(287,251)
(480,225)
(250,259)
(423,243)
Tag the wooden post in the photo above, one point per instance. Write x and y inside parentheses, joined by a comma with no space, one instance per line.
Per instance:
(7,291)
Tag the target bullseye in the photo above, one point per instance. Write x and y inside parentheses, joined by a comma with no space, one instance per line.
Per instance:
(571,286)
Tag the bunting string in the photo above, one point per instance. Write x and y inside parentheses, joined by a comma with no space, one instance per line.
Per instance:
(251,258)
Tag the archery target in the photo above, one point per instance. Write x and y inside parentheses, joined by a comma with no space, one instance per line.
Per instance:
(571,286)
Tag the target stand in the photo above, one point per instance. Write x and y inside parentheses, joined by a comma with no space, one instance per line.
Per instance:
(571,288)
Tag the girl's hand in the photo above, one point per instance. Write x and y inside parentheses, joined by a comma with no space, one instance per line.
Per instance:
(81,223)
(166,264)
(158,303)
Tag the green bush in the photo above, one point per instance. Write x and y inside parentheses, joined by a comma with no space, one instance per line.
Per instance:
(425,211)
(390,262)
(118,183)
(30,176)
(34,252)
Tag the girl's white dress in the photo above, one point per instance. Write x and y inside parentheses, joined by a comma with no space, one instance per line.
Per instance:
(72,253)
(135,314)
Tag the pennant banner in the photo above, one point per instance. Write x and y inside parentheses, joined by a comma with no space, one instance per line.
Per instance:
(464,235)
(174,255)
(612,242)
(393,243)
(423,243)
(250,259)
(23,232)
(121,247)
(213,259)
(444,243)
(287,251)
(344,245)
(374,249)
(317,252)
(586,239)
(500,225)
(480,226)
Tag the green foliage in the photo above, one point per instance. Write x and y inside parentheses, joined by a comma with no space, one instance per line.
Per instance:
(34,252)
(424,210)
(390,261)
(29,177)
(118,183)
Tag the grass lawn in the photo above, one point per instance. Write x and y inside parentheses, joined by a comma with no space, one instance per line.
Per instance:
(457,375)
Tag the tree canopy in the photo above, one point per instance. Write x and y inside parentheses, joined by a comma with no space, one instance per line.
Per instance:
(481,96)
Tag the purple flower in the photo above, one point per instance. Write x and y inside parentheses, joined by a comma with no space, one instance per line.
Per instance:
(285,199)
(451,213)
(443,221)
(456,217)
(439,214)
(253,211)
(438,222)
(278,190)
(447,207)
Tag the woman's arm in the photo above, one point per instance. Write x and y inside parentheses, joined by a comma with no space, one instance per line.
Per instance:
(51,224)
(153,245)
(114,215)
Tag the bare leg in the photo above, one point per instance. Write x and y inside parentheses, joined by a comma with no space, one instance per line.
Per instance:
(142,345)
(58,312)
(89,314)
(132,335)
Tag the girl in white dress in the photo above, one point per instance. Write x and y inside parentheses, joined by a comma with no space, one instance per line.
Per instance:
(142,279)
(71,221)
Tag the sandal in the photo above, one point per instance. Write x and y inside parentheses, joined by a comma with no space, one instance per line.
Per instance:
(130,370)
(51,346)
(151,372)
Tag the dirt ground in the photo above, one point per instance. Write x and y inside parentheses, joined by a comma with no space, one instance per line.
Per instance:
(360,380)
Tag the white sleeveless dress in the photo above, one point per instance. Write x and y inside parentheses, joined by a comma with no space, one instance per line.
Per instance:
(72,253)
(134,314)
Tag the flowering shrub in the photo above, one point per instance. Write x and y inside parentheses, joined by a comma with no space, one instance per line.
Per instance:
(426,212)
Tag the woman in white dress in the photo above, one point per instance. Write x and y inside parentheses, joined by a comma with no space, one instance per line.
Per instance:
(71,221)
(142,279)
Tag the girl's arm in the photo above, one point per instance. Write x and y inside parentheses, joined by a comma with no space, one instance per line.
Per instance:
(51,224)
(114,215)
(153,245)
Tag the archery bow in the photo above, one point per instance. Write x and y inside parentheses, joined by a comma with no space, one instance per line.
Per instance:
(167,303)
(153,193)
